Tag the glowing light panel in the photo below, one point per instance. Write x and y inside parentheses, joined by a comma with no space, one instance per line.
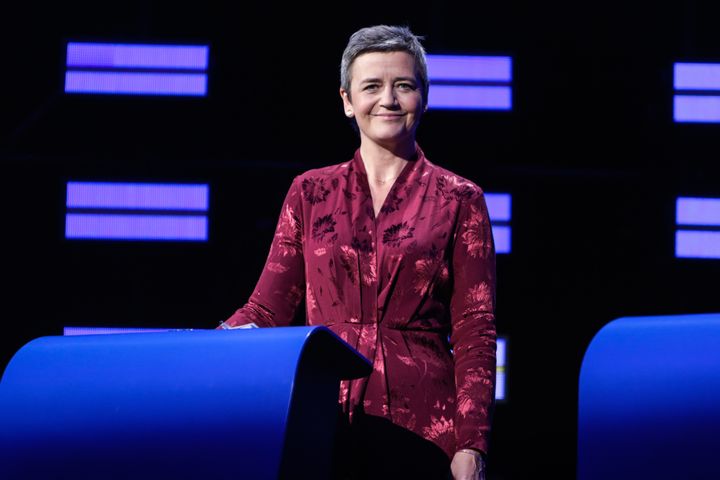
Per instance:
(701,236)
(136,211)
(135,227)
(499,206)
(501,362)
(469,68)
(137,196)
(694,84)
(130,83)
(135,69)
(117,55)
(460,82)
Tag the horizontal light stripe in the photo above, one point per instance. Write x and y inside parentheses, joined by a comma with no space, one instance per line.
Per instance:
(697,76)
(500,362)
(137,196)
(501,349)
(136,83)
(118,55)
(698,211)
(697,244)
(499,206)
(71,331)
(470,97)
(697,108)
(500,386)
(469,68)
(135,227)
(502,237)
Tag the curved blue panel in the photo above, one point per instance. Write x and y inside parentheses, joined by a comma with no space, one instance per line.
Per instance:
(192,404)
(649,399)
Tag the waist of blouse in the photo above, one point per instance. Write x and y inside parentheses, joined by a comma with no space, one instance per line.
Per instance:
(386,326)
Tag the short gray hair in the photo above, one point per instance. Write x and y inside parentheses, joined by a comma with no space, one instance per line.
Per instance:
(384,38)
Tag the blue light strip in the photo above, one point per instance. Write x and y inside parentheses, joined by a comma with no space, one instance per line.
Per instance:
(499,206)
(117,55)
(136,227)
(135,211)
(501,362)
(469,68)
(703,240)
(127,69)
(137,196)
(697,244)
(71,331)
(500,210)
(470,97)
(502,238)
(459,82)
(697,76)
(698,211)
(696,109)
(136,83)
(693,82)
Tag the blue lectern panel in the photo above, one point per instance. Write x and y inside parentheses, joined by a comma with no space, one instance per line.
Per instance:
(649,403)
(199,404)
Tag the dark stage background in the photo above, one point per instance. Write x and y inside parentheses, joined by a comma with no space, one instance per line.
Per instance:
(589,153)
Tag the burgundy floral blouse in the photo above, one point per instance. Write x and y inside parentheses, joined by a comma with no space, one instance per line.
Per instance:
(394,287)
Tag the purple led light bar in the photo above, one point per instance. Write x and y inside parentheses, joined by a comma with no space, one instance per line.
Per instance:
(136,227)
(136,83)
(460,82)
(469,68)
(501,357)
(697,76)
(71,331)
(106,68)
(698,211)
(697,244)
(499,206)
(137,196)
(691,107)
(502,238)
(470,97)
(696,108)
(117,55)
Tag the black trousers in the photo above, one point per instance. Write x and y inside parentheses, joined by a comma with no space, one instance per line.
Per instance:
(375,448)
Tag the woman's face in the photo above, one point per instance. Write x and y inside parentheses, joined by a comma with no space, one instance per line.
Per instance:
(386,98)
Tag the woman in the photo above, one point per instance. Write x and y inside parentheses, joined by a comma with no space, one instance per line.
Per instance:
(392,253)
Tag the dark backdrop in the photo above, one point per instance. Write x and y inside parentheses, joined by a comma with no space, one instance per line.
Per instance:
(589,153)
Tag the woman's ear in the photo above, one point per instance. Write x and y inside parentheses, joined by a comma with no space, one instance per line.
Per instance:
(347,105)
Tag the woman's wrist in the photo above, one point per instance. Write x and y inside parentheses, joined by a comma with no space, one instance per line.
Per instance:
(479,458)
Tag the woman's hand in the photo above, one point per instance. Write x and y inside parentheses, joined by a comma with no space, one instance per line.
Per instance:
(467,466)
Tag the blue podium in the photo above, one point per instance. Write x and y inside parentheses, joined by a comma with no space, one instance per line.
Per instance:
(649,400)
(240,404)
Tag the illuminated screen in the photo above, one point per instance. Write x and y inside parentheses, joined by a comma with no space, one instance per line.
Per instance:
(697,87)
(699,236)
(133,69)
(470,82)
(136,211)
(499,209)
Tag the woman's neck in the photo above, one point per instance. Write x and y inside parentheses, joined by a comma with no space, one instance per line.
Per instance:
(383,164)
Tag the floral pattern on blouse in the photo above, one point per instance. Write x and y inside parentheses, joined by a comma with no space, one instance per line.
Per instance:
(412,289)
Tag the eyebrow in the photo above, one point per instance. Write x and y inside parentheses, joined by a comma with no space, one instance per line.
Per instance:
(398,79)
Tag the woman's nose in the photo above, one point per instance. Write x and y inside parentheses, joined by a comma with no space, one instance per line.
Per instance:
(388,99)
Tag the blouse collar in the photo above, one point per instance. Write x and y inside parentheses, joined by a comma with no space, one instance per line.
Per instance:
(413,165)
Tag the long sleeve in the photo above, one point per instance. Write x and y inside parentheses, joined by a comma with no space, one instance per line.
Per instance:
(473,335)
(281,286)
